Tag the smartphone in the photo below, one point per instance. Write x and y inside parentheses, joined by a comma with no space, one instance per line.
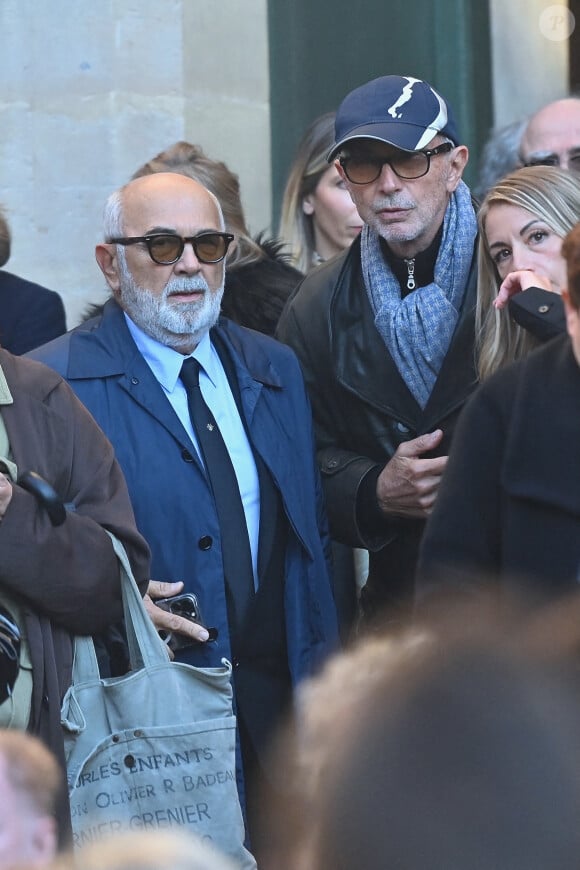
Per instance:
(187,606)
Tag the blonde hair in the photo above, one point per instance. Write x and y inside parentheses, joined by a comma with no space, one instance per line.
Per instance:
(188,159)
(308,167)
(550,194)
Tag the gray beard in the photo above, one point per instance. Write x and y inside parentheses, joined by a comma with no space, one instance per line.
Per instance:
(181,326)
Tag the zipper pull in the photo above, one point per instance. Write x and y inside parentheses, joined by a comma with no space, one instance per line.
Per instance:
(410,274)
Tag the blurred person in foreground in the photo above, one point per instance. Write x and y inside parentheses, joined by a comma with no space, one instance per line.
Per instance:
(521,271)
(30,783)
(147,850)
(509,503)
(455,745)
(385,330)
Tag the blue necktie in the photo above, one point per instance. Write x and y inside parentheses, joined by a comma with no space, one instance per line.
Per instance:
(236,554)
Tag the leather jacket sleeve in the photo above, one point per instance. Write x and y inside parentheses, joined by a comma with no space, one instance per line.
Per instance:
(539,312)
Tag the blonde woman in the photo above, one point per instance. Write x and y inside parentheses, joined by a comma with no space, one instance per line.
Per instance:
(319,219)
(522,223)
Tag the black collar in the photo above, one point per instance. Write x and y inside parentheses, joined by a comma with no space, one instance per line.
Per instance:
(424,264)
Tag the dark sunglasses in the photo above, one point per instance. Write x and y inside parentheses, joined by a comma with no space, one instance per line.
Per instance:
(364,169)
(166,248)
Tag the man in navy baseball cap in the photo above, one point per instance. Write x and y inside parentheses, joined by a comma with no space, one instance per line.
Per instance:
(399,110)
(385,331)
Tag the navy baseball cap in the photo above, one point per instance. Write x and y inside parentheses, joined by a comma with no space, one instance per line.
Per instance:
(399,110)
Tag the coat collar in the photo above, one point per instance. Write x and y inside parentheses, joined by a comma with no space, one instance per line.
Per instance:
(103,347)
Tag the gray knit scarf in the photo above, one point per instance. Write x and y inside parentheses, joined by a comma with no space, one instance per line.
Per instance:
(417,330)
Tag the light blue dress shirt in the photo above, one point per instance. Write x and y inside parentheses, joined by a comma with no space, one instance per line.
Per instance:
(165,363)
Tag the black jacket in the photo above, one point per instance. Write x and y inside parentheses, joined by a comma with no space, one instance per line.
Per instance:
(508,507)
(255,294)
(539,311)
(363,410)
(30,315)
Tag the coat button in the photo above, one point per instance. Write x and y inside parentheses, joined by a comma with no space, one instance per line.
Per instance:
(543,309)
(186,455)
(134,381)
(205,542)
(332,463)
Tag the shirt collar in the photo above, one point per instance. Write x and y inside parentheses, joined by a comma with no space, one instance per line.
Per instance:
(165,363)
(5,394)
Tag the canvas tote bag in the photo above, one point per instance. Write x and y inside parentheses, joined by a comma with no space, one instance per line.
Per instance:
(154,748)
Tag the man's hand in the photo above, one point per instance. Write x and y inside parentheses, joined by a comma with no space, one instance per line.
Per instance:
(407,485)
(516,282)
(171,622)
(5,493)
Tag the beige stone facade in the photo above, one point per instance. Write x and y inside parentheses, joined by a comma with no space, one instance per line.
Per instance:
(92,90)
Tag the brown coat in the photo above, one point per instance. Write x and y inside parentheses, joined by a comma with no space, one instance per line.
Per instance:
(66,577)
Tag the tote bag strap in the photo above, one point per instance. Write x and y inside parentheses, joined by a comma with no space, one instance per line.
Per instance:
(145,646)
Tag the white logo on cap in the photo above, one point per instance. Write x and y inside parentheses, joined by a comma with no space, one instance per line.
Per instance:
(406,95)
(430,129)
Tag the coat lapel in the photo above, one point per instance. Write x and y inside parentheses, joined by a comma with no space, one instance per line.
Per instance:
(109,352)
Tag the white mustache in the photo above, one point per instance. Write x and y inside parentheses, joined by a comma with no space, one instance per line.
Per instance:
(392,202)
(185,285)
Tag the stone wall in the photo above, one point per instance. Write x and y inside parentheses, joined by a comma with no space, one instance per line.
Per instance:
(92,90)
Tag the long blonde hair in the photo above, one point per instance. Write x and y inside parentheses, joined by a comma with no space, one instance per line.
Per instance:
(307,169)
(550,194)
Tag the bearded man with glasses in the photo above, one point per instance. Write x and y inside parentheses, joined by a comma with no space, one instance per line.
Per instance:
(385,331)
(212,428)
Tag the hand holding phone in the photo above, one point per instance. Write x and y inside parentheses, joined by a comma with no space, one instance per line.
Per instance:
(187,607)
